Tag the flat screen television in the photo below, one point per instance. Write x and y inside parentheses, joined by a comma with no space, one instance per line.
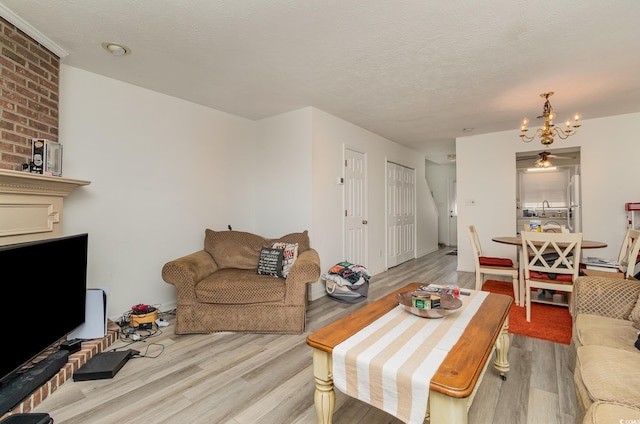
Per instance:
(46,282)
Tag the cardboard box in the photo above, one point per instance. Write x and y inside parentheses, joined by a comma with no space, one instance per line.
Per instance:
(425,301)
(46,157)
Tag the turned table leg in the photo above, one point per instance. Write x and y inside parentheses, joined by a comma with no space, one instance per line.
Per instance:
(324,397)
(502,350)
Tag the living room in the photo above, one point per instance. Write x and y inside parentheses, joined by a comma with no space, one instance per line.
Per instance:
(163,169)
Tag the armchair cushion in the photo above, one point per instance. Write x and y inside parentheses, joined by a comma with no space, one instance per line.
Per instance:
(239,287)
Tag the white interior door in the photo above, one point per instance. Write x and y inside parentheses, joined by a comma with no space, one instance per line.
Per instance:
(453,213)
(401,220)
(394,215)
(354,204)
(407,209)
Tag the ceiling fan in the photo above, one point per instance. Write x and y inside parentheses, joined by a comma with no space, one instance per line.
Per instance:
(544,162)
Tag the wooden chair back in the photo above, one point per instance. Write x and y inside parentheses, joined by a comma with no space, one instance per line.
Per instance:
(552,253)
(629,252)
(475,244)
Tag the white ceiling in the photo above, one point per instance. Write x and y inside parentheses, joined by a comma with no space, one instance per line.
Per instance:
(416,72)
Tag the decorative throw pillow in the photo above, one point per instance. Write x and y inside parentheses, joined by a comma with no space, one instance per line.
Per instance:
(290,255)
(301,238)
(270,261)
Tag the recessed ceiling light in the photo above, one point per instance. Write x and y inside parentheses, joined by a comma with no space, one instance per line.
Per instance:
(116,49)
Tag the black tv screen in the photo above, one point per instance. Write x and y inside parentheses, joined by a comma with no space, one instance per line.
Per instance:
(46,282)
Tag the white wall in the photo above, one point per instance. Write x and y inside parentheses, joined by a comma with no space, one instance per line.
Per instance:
(284,174)
(161,170)
(331,136)
(486,174)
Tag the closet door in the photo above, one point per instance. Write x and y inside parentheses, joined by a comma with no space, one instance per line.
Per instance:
(401,221)
(407,209)
(394,215)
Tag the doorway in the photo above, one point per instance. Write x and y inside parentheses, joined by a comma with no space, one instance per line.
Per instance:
(453,211)
(548,189)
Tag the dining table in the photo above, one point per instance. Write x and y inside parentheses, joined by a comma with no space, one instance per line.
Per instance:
(517,241)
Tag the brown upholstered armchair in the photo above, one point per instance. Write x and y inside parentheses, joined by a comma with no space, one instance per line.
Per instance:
(219,289)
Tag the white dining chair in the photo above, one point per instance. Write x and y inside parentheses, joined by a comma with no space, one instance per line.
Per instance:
(551,262)
(487,265)
(629,250)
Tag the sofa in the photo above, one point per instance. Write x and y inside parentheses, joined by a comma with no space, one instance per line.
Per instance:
(220,288)
(604,359)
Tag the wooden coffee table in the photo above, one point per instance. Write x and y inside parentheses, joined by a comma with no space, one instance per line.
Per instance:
(453,386)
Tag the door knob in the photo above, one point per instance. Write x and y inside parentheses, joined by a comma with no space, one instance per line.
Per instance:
(364,221)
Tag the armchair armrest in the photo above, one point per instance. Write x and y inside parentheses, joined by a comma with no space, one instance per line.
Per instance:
(306,269)
(185,272)
(607,297)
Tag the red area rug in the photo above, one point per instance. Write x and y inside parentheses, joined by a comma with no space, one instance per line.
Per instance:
(548,322)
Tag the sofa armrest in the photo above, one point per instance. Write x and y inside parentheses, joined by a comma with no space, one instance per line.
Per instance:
(306,269)
(607,297)
(185,272)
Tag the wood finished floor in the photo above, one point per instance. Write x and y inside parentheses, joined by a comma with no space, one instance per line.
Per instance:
(232,378)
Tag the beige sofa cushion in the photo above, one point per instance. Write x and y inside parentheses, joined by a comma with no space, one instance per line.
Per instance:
(611,413)
(634,316)
(606,374)
(239,249)
(603,331)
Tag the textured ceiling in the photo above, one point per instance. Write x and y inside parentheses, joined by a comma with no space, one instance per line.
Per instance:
(416,72)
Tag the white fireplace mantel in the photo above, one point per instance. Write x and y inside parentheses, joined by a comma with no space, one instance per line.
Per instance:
(31,205)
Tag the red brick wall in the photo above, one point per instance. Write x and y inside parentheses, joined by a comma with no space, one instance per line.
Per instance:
(29,78)
(29,84)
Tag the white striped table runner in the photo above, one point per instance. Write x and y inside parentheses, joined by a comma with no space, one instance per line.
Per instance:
(389,364)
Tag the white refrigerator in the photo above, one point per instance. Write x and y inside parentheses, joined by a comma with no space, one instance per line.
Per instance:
(574,215)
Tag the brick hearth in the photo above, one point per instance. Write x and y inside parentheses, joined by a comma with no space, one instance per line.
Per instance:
(76,360)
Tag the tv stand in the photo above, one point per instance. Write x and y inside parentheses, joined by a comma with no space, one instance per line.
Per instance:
(29,381)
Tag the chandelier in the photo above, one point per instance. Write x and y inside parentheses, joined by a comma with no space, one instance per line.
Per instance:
(549,130)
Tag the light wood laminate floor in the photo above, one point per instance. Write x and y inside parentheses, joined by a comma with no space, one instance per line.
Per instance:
(235,378)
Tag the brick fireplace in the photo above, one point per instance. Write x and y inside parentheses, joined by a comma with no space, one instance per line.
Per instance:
(76,360)
(31,209)
(31,204)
